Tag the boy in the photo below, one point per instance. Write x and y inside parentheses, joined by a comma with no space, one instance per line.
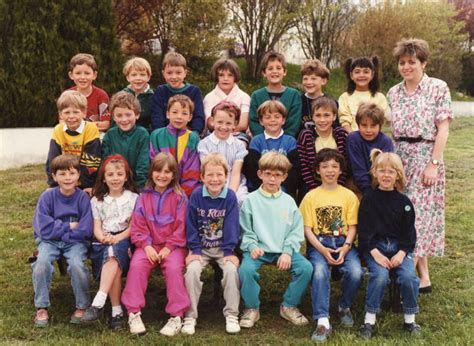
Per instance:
(76,137)
(180,142)
(272,231)
(315,76)
(212,233)
(128,139)
(274,70)
(224,119)
(175,71)
(272,116)
(83,71)
(369,119)
(330,219)
(138,74)
(62,226)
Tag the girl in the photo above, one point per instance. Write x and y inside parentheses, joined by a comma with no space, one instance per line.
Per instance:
(158,232)
(421,108)
(226,73)
(323,135)
(112,206)
(362,86)
(387,239)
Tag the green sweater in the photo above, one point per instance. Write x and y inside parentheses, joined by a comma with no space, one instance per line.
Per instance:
(271,222)
(291,99)
(133,145)
(145,106)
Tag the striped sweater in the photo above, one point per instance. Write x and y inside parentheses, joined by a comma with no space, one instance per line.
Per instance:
(307,152)
(182,144)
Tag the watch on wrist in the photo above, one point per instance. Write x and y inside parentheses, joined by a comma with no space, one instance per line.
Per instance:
(434,162)
(348,244)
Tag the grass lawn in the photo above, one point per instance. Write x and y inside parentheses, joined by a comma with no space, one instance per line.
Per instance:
(447,315)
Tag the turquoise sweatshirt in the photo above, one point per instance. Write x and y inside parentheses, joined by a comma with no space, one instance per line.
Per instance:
(271,222)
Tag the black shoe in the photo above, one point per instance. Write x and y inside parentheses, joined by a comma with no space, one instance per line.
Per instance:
(92,313)
(413,328)
(366,331)
(116,323)
(425,290)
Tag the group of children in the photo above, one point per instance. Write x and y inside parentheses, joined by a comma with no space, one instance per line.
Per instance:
(230,197)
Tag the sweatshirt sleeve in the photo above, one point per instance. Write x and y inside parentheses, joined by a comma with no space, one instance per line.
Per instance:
(291,182)
(44,224)
(365,229)
(408,231)
(177,239)
(254,124)
(360,171)
(293,121)
(231,225)
(250,169)
(306,152)
(192,231)
(139,232)
(345,115)
(83,231)
(90,159)
(54,151)
(191,172)
(249,237)
(143,160)
(158,113)
(154,147)
(197,122)
(295,234)
(106,146)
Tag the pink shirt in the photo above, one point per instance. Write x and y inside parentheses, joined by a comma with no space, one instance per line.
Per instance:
(236,95)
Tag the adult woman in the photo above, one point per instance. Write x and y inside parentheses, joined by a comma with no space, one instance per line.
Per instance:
(421,112)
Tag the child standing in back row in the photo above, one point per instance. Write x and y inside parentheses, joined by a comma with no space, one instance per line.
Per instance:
(362,86)
(158,231)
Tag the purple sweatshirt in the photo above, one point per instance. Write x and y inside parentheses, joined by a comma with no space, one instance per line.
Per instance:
(213,222)
(54,213)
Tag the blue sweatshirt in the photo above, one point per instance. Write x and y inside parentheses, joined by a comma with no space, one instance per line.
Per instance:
(212,222)
(159,104)
(358,152)
(54,212)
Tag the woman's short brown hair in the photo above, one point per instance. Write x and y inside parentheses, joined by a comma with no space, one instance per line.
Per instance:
(412,46)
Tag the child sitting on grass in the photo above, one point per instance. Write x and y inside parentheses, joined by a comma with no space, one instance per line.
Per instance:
(62,227)
(272,232)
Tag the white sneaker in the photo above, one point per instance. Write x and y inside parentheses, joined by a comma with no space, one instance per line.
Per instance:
(232,324)
(172,327)
(249,317)
(293,315)
(136,324)
(188,326)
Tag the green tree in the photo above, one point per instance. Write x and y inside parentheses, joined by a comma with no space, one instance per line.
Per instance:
(38,38)
(379,28)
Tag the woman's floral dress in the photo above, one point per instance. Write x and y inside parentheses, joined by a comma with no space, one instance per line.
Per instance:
(417,116)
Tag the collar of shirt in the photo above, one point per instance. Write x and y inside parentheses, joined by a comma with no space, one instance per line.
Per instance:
(122,200)
(78,130)
(223,194)
(269,195)
(267,136)
(213,138)
(148,90)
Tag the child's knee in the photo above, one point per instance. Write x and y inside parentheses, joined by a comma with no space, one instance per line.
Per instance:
(320,271)
(76,265)
(42,266)
(380,277)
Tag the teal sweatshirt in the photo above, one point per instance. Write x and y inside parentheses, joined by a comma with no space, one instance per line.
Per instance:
(133,145)
(291,99)
(271,222)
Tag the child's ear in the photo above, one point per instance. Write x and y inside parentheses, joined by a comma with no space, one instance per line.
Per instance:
(94,75)
(211,121)
(259,174)
(70,75)
(54,177)
(324,81)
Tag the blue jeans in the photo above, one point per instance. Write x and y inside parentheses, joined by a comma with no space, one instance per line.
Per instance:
(43,268)
(351,270)
(300,271)
(379,278)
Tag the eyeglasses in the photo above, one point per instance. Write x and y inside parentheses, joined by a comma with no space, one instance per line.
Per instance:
(269,174)
(386,171)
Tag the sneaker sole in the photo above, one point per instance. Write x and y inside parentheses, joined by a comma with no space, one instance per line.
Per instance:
(41,324)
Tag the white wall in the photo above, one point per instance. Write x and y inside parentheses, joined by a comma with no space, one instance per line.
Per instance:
(21,147)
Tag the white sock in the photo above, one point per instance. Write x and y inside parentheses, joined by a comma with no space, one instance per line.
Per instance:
(370,318)
(324,321)
(99,299)
(117,310)
(409,318)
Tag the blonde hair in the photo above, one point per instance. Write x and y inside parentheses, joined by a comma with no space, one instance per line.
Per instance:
(81,59)
(138,64)
(72,98)
(174,59)
(272,106)
(215,159)
(274,161)
(380,159)
(124,99)
(161,161)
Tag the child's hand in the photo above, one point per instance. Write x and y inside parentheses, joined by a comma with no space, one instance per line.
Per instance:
(151,254)
(88,191)
(397,259)
(113,239)
(284,262)
(381,259)
(73,225)
(233,259)
(192,257)
(256,253)
(342,251)
(327,253)
(163,254)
